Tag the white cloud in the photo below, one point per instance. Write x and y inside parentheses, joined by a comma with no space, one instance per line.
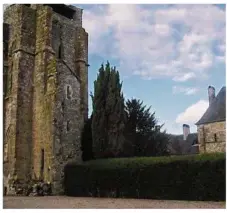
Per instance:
(220,59)
(182,77)
(175,42)
(185,90)
(97,28)
(162,29)
(222,48)
(193,113)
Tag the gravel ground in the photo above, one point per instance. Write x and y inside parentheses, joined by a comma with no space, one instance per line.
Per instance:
(63,202)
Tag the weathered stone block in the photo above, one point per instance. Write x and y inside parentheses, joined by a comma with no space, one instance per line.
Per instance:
(212,137)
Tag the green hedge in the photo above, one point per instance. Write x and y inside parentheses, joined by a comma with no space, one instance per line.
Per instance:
(196,177)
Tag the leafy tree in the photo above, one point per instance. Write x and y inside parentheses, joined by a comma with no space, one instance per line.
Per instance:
(143,135)
(108,120)
(161,144)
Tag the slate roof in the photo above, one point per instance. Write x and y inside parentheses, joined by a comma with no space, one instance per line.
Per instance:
(217,109)
(186,146)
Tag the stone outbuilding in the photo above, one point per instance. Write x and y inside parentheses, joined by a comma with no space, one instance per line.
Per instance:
(212,125)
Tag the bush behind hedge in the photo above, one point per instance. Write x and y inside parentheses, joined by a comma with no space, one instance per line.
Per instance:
(195,177)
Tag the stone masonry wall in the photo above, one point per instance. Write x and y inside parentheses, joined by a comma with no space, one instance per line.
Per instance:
(25,53)
(81,59)
(67,123)
(10,102)
(44,96)
(6,34)
(67,128)
(212,137)
(19,91)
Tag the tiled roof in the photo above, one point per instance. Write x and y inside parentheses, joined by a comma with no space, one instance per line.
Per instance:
(216,111)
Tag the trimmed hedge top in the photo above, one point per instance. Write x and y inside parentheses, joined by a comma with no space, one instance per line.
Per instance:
(140,162)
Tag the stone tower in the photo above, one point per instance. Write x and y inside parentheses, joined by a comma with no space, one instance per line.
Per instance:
(45,91)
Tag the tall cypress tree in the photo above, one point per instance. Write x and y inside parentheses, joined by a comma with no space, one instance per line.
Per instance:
(108,120)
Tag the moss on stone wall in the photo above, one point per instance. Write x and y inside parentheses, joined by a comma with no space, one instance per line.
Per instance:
(51,66)
(43,101)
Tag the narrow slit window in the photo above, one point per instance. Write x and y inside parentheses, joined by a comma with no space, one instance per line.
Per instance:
(63,106)
(68,92)
(215,137)
(42,160)
(67,126)
(60,51)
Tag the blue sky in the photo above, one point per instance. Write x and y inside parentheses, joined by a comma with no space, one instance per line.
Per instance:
(167,55)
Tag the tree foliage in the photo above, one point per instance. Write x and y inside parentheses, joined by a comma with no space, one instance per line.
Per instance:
(108,120)
(118,129)
(143,134)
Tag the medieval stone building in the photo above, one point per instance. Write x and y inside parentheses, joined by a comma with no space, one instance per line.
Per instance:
(45,91)
(212,125)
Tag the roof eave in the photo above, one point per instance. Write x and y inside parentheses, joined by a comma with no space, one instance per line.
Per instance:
(200,123)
